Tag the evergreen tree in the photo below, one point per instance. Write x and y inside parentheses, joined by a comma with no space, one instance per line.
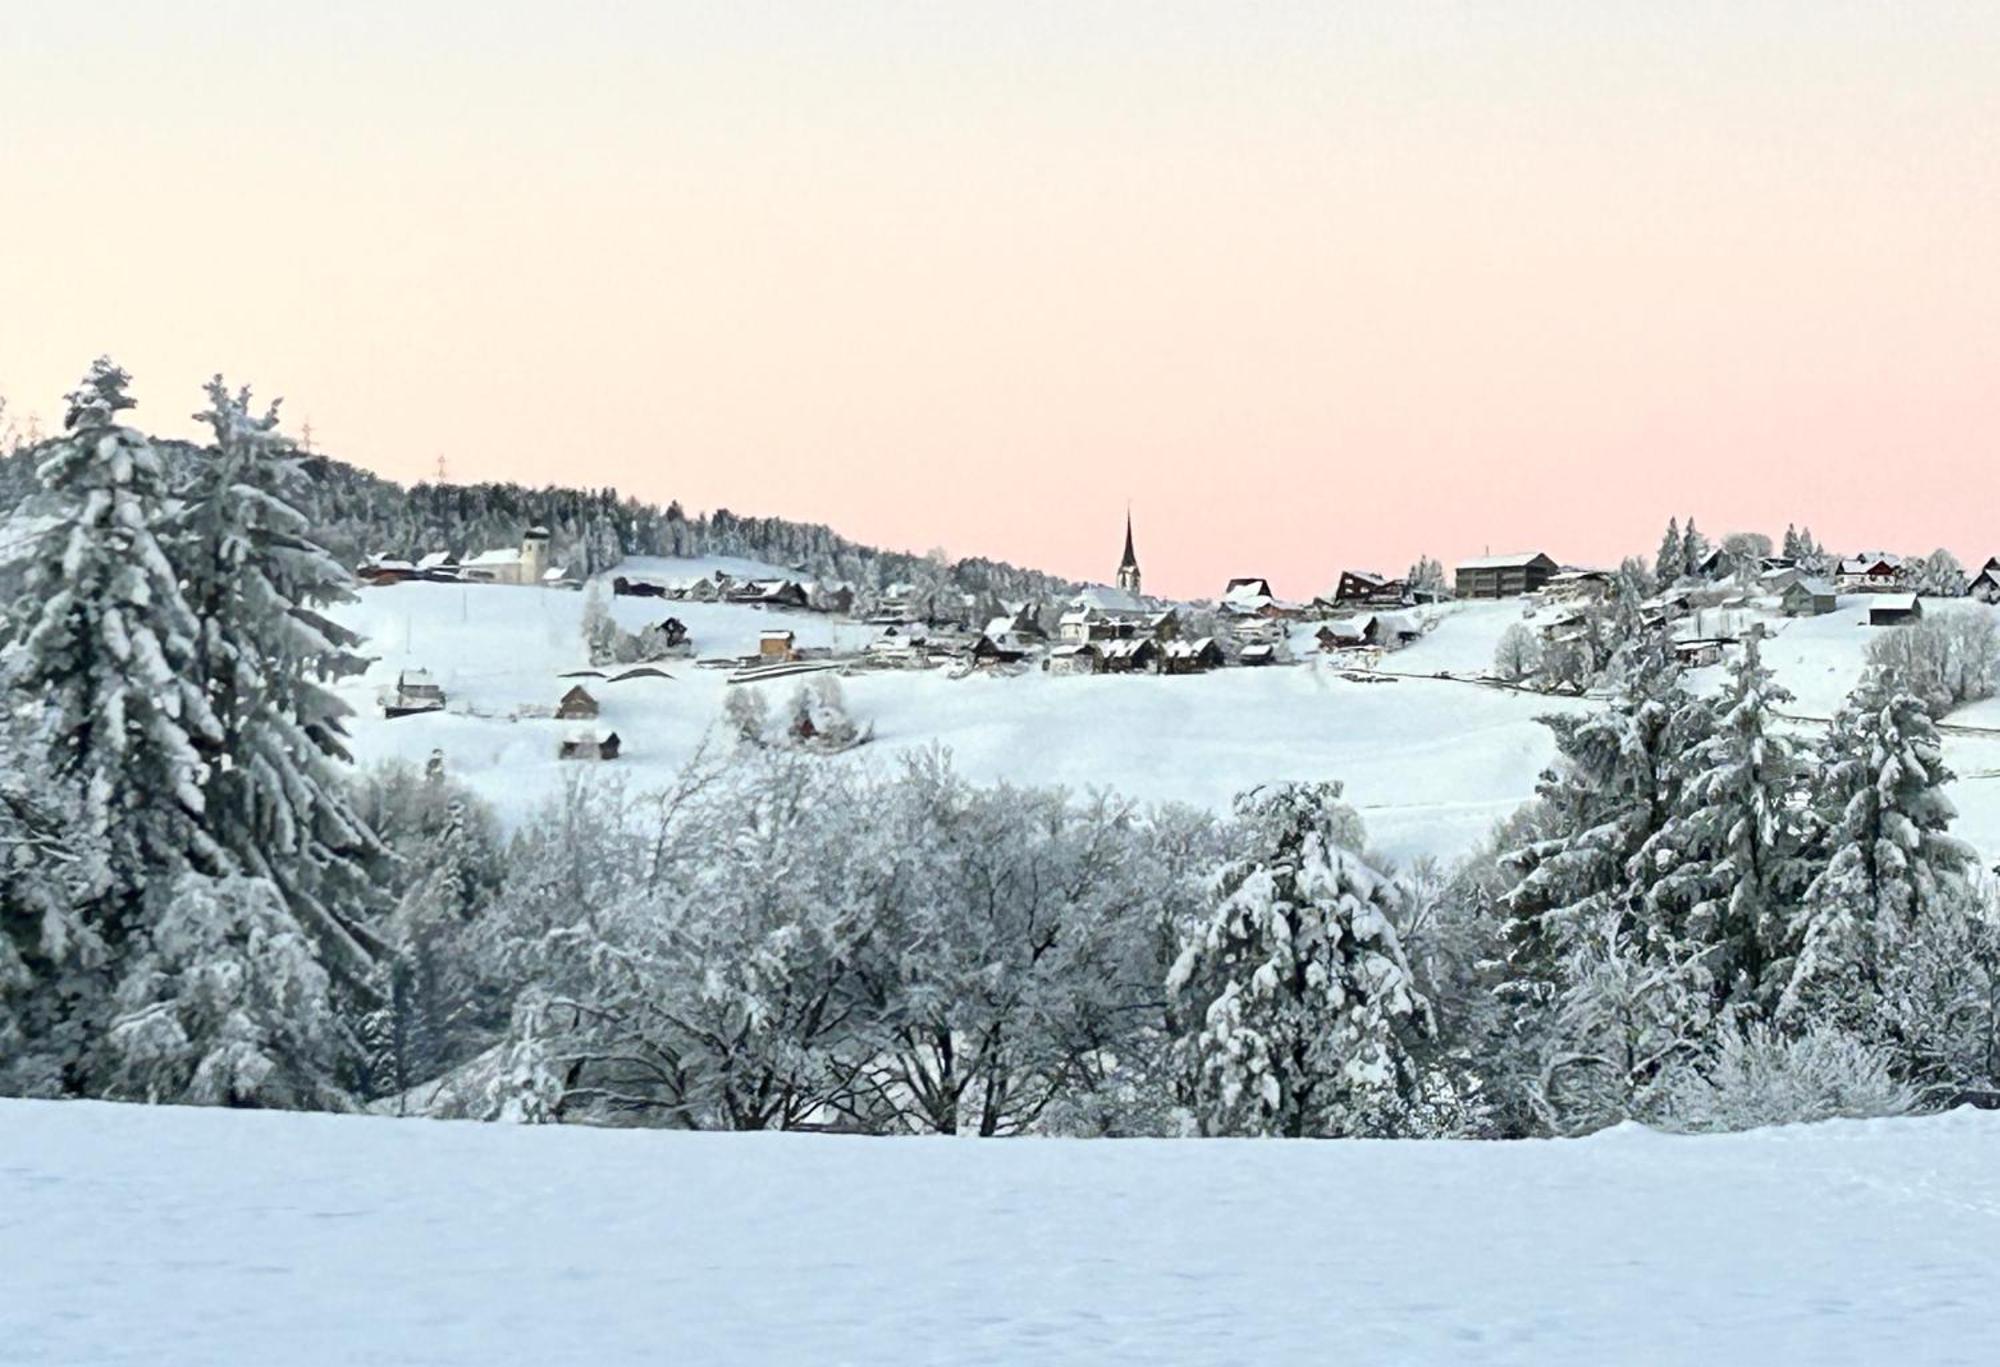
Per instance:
(260,587)
(106,645)
(1671,562)
(1300,1016)
(1893,862)
(1694,550)
(1727,866)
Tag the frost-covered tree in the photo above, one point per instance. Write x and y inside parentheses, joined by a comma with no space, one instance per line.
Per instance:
(1950,657)
(1427,580)
(225,1004)
(1726,869)
(1755,1076)
(1893,864)
(747,714)
(1938,575)
(819,718)
(105,644)
(1299,1011)
(266,653)
(1517,655)
(601,635)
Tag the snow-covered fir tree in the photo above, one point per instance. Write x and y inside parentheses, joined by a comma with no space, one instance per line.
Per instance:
(1726,869)
(105,643)
(1894,863)
(260,588)
(1298,1011)
(1671,561)
(1694,550)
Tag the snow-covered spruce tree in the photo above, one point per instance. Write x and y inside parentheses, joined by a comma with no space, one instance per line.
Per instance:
(1893,861)
(1592,985)
(226,1004)
(1694,549)
(52,959)
(1671,561)
(1299,1012)
(105,644)
(259,587)
(1725,871)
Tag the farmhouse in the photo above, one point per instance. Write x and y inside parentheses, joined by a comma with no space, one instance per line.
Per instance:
(1504,576)
(1135,655)
(1698,651)
(1263,653)
(1807,597)
(1579,586)
(439,567)
(770,593)
(989,651)
(1872,572)
(523,564)
(1894,609)
(577,705)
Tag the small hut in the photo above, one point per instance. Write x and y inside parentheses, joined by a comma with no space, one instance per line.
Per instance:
(590,745)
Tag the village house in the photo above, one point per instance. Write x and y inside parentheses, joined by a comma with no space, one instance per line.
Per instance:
(577,705)
(1082,657)
(1191,657)
(439,567)
(1263,653)
(589,745)
(1985,585)
(989,651)
(770,593)
(1579,586)
(1503,576)
(415,691)
(1698,652)
(902,644)
(1805,597)
(523,564)
(378,571)
(1894,609)
(1133,655)
(777,646)
(1366,589)
(624,586)
(1871,572)
(1379,630)
(833,598)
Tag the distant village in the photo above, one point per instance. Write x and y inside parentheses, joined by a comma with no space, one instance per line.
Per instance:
(1119,630)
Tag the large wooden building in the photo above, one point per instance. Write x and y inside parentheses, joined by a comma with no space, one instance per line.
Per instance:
(1504,576)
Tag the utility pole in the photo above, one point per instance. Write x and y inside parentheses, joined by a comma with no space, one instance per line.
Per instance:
(440,468)
(306,436)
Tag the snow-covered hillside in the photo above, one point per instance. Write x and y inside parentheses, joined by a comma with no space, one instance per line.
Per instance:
(1430,762)
(134,1234)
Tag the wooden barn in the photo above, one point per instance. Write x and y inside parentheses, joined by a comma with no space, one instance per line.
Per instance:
(1137,655)
(1365,588)
(1504,576)
(1894,609)
(1807,598)
(1191,657)
(577,705)
(774,646)
(1081,657)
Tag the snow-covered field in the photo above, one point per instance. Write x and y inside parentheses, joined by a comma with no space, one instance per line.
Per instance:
(1431,763)
(158,1235)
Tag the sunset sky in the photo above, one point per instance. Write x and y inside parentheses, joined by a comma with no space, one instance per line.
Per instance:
(1312,285)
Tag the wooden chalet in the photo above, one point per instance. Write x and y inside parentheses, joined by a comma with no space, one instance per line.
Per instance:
(1985,585)
(577,705)
(1366,589)
(1135,655)
(989,651)
(770,593)
(1263,653)
(1504,576)
(1080,657)
(378,571)
(775,646)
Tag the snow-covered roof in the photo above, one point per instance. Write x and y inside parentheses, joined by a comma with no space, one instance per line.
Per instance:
(1519,560)
(774,636)
(1893,602)
(1080,648)
(510,555)
(554,576)
(1243,589)
(1110,599)
(1818,588)
(436,560)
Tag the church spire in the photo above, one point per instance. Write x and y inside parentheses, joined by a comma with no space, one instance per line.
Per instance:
(1128,568)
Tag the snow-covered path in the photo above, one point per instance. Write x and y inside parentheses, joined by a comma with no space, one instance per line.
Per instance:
(180,1236)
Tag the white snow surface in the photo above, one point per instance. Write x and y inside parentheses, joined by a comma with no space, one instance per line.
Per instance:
(161,1235)
(1431,763)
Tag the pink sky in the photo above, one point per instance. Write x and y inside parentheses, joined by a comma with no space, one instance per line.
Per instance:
(1310,291)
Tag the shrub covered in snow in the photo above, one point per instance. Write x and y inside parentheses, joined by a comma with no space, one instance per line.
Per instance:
(1758,1076)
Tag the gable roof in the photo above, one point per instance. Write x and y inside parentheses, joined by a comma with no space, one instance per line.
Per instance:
(1518,561)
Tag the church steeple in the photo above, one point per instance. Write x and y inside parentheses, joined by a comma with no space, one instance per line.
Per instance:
(1128,568)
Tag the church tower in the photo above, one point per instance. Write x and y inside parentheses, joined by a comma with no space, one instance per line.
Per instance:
(1128,568)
